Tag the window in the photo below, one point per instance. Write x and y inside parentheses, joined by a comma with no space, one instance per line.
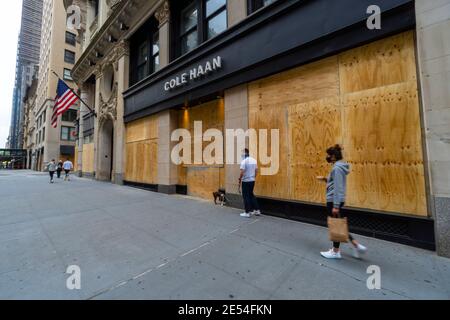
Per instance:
(88,139)
(43,134)
(198,21)
(69,116)
(71,38)
(69,56)
(68,134)
(145,51)
(189,28)
(67,74)
(216,17)
(255,5)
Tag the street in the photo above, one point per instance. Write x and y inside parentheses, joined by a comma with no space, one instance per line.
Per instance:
(134,244)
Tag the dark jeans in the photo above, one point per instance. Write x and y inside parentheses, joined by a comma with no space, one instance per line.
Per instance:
(52,173)
(58,173)
(250,202)
(336,245)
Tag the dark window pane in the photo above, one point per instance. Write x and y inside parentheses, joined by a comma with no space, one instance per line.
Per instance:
(67,75)
(189,42)
(143,52)
(155,49)
(70,115)
(217,24)
(156,65)
(69,56)
(189,18)
(71,38)
(213,5)
(141,72)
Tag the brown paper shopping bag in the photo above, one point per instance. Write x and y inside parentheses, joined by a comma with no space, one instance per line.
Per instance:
(338,228)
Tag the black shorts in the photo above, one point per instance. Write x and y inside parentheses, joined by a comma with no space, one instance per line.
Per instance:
(67,171)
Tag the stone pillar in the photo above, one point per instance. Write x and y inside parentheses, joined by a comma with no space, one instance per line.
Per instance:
(119,130)
(83,111)
(163,15)
(237,11)
(433,40)
(98,81)
(167,170)
(236,117)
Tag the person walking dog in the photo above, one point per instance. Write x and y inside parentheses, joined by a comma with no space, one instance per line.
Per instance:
(249,170)
(336,192)
(51,169)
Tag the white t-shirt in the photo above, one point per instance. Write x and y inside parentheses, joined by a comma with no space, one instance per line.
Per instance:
(249,165)
(68,165)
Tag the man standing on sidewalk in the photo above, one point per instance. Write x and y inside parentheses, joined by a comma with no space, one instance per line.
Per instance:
(249,170)
(68,166)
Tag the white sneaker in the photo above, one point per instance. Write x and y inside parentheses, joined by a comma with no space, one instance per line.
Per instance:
(245,215)
(331,254)
(257,213)
(359,249)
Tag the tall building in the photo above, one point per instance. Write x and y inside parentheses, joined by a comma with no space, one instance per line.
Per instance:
(59,50)
(27,58)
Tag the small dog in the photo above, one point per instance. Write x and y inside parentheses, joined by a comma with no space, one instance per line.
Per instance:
(220,195)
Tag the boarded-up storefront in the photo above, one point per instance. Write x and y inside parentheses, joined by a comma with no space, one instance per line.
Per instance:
(365,99)
(141,163)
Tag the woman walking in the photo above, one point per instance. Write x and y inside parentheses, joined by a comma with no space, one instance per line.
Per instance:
(336,191)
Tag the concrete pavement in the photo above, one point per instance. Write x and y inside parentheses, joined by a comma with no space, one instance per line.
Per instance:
(135,244)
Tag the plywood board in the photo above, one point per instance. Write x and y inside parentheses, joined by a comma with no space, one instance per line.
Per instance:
(367,100)
(378,64)
(141,161)
(313,127)
(383,144)
(88,158)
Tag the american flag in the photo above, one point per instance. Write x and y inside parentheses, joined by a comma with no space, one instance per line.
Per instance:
(65,98)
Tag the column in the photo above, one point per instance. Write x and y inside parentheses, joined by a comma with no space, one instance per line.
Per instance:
(236,117)
(237,11)
(433,40)
(162,15)
(167,170)
(98,80)
(83,111)
(122,82)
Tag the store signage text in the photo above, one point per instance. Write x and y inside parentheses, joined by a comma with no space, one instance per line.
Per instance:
(194,74)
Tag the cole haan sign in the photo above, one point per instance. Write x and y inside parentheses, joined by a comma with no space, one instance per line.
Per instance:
(198,72)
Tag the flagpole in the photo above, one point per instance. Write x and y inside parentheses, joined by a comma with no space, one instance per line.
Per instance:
(91,111)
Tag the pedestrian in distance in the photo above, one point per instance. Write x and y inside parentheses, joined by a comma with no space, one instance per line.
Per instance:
(335,194)
(51,169)
(67,166)
(249,170)
(59,169)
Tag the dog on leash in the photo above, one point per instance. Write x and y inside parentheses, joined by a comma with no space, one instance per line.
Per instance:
(219,196)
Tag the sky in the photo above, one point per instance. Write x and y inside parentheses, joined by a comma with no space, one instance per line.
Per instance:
(9,32)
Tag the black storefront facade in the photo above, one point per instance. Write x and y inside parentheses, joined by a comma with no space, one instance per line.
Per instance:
(273,40)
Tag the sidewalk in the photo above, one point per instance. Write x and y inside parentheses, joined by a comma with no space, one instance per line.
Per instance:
(134,244)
